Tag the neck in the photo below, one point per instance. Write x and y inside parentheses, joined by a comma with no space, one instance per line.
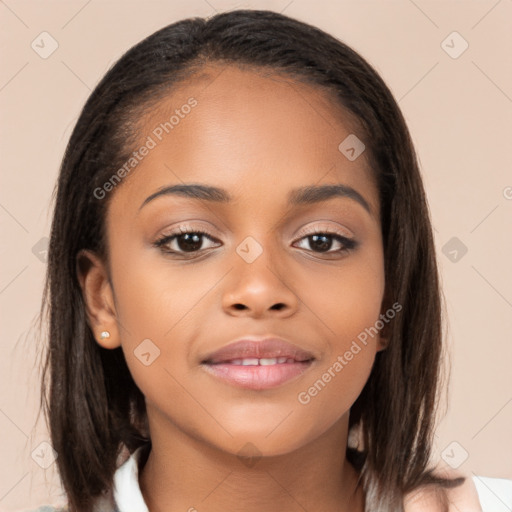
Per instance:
(183,473)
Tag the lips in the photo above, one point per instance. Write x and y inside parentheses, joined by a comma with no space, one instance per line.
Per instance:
(263,352)
(258,364)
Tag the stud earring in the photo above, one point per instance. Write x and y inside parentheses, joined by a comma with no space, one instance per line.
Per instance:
(104,335)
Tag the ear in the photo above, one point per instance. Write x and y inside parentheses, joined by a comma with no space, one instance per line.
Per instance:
(383,341)
(98,298)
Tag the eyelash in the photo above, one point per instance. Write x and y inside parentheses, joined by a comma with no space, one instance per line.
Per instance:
(348,243)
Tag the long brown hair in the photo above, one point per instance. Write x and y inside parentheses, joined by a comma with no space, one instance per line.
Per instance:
(93,407)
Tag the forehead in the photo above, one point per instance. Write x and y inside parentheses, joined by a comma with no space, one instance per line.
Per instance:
(248,131)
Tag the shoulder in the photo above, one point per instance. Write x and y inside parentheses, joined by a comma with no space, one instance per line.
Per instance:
(434,498)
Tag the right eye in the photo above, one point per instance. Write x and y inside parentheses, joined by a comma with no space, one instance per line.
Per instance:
(185,240)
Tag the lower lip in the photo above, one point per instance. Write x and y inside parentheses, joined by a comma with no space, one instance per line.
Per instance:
(257,376)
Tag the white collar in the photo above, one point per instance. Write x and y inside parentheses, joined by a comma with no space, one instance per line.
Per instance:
(127,493)
(128,496)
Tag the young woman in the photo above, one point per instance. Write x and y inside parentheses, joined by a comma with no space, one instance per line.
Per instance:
(243,299)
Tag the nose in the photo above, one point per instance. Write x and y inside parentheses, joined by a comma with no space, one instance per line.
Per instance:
(259,288)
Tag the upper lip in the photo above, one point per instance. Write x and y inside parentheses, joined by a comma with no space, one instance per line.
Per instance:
(251,347)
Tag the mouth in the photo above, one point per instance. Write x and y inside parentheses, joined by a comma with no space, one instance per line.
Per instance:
(265,361)
(258,365)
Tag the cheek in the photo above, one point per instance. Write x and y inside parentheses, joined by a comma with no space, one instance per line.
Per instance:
(159,308)
(346,300)
(155,295)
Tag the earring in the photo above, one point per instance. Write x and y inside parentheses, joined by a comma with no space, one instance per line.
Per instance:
(104,335)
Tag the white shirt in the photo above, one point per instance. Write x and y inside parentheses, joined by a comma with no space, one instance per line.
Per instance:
(494,494)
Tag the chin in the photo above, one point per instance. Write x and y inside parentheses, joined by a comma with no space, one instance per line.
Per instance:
(267,442)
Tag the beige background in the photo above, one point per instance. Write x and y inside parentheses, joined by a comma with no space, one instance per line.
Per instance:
(459,111)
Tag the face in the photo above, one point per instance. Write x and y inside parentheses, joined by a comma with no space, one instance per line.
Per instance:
(309,272)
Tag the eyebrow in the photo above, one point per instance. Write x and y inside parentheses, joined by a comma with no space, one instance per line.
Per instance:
(307,195)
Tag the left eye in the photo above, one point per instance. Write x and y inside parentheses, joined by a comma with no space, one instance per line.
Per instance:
(323,242)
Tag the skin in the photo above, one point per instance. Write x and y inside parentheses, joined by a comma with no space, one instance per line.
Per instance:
(258,137)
